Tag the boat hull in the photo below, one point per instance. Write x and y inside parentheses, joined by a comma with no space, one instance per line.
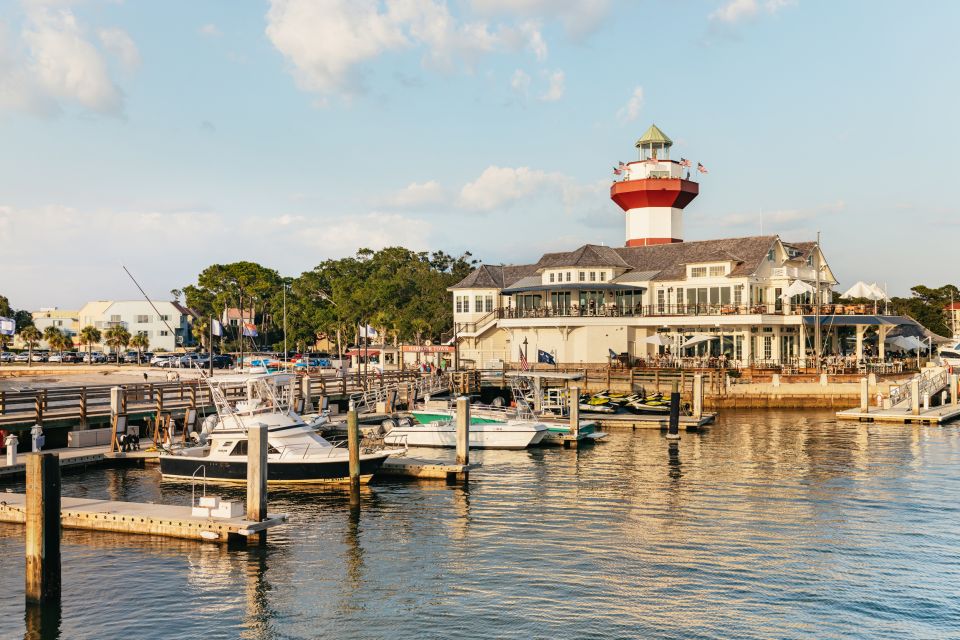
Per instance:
(445,437)
(335,470)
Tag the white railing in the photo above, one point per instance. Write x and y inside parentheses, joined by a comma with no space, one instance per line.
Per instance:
(930,383)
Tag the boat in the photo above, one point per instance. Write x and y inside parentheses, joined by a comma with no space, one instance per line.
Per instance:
(296,452)
(494,434)
(482,415)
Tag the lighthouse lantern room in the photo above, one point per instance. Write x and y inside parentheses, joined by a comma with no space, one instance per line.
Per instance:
(653,192)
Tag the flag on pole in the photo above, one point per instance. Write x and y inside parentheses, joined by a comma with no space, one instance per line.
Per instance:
(701,168)
(368,332)
(524,365)
(249,330)
(617,171)
(216,328)
(613,354)
(545,357)
(684,162)
(8,326)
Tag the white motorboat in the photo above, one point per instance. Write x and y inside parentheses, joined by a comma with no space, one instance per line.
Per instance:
(296,453)
(950,354)
(504,434)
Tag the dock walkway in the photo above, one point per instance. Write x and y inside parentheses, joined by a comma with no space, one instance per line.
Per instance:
(903,415)
(140,518)
(632,421)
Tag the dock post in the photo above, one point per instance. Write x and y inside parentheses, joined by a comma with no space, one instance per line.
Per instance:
(257,478)
(915,396)
(116,408)
(305,392)
(463,430)
(83,408)
(673,431)
(573,397)
(353,445)
(698,396)
(43,528)
(864,395)
(954,391)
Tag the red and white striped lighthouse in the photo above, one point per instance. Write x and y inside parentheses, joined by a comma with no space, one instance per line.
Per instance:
(653,192)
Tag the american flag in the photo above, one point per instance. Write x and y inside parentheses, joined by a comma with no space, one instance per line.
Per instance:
(617,171)
(701,168)
(524,365)
(684,162)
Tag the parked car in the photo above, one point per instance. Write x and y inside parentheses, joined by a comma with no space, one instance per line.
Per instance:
(94,358)
(187,360)
(7,356)
(219,361)
(159,358)
(55,357)
(22,357)
(38,357)
(71,356)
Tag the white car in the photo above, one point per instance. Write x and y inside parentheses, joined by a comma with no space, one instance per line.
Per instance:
(55,357)
(7,356)
(22,357)
(165,360)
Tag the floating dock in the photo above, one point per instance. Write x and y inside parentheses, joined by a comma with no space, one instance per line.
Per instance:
(662,422)
(139,518)
(424,469)
(933,415)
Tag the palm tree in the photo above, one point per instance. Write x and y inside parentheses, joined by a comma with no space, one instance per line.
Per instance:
(117,337)
(50,335)
(59,341)
(141,343)
(90,336)
(30,336)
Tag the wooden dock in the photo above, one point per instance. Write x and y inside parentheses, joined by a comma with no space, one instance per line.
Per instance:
(933,415)
(425,469)
(662,422)
(139,518)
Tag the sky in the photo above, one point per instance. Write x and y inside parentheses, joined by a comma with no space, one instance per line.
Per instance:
(170,135)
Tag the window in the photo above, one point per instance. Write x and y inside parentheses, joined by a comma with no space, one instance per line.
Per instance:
(767,347)
(551,277)
(459,304)
(488,304)
(164,333)
(165,318)
(698,272)
(560,301)
(770,255)
(593,276)
(241,448)
(58,323)
(583,276)
(466,304)
(603,276)
(718,270)
(114,318)
(661,300)
(810,260)
(568,276)
(143,319)
(738,295)
(478,304)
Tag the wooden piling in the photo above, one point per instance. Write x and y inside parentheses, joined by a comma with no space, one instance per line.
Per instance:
(463,430)
(864,395)
(673,431)
(353,446)
(83,408)
(698,396)
(43,528)
(257,445)
(305,393)
(954,390)
(915,396)
(574,400)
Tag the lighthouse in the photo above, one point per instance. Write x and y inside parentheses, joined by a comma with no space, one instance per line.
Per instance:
(653,192)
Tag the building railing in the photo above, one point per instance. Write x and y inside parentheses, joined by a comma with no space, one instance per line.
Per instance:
(607,310)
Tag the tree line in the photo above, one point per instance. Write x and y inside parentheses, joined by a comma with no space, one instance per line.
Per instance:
(402,294)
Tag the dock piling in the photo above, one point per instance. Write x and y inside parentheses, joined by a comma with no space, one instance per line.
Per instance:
(698,396)
(353,445)
(673,431)
(42,547)
(257,477)
(864,395)
(915,396)
(954,390)
(463,430)
(574,399)
(305,393)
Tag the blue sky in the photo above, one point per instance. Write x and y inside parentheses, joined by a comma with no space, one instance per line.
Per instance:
(170,135)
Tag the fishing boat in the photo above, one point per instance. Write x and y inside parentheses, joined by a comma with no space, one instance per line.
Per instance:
(296,452)
(442,432)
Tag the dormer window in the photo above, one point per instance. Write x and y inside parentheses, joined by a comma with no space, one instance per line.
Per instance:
(583,276)
(698,272)
(718,270)
(551,277)
(593,276)
(771,254)
(603,276)
(569,276)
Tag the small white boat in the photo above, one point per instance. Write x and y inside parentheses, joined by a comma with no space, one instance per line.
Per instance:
(506,434)
(296,453)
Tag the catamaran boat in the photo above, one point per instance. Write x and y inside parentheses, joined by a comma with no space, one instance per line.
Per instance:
(295,453)
(442,432)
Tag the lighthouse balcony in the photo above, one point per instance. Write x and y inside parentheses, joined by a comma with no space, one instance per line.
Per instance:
(654,192)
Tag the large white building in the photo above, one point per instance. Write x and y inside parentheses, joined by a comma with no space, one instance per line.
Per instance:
(167,326)
(755,300)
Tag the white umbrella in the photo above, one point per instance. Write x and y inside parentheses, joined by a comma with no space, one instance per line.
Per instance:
(659,340)
(863,290)
(878,292)
(796,288)
(697,338)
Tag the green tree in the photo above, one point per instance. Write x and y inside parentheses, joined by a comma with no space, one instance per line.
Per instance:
(141,343)
(90,336)
(31,336)
(928,306)
(57,340)
(117,338)
(50,335)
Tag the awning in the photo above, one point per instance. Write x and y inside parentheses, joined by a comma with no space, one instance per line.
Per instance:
(849,321)
(360,353)
(574,286)
(863,290)
(796,288)
(697,338)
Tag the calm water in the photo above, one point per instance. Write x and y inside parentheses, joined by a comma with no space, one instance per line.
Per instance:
(770,525)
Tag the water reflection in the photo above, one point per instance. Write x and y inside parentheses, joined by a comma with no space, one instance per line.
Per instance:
(42,622)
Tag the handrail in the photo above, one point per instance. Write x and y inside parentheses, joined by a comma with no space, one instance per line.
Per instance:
(193,485)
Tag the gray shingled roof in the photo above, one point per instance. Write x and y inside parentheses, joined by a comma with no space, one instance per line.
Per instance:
(654,262)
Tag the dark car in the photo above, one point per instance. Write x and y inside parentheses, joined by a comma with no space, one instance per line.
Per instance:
(219,362)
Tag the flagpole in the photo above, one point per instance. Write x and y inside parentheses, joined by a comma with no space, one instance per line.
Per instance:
(211,346)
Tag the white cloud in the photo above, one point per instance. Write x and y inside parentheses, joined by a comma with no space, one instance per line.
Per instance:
(209,31)
(326,41)
(631,111)
(418,195)
(771,219)
(120,44)
(734,11)
(498,187)
(579,17)
(53,63)
(520,82)
(556,87)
